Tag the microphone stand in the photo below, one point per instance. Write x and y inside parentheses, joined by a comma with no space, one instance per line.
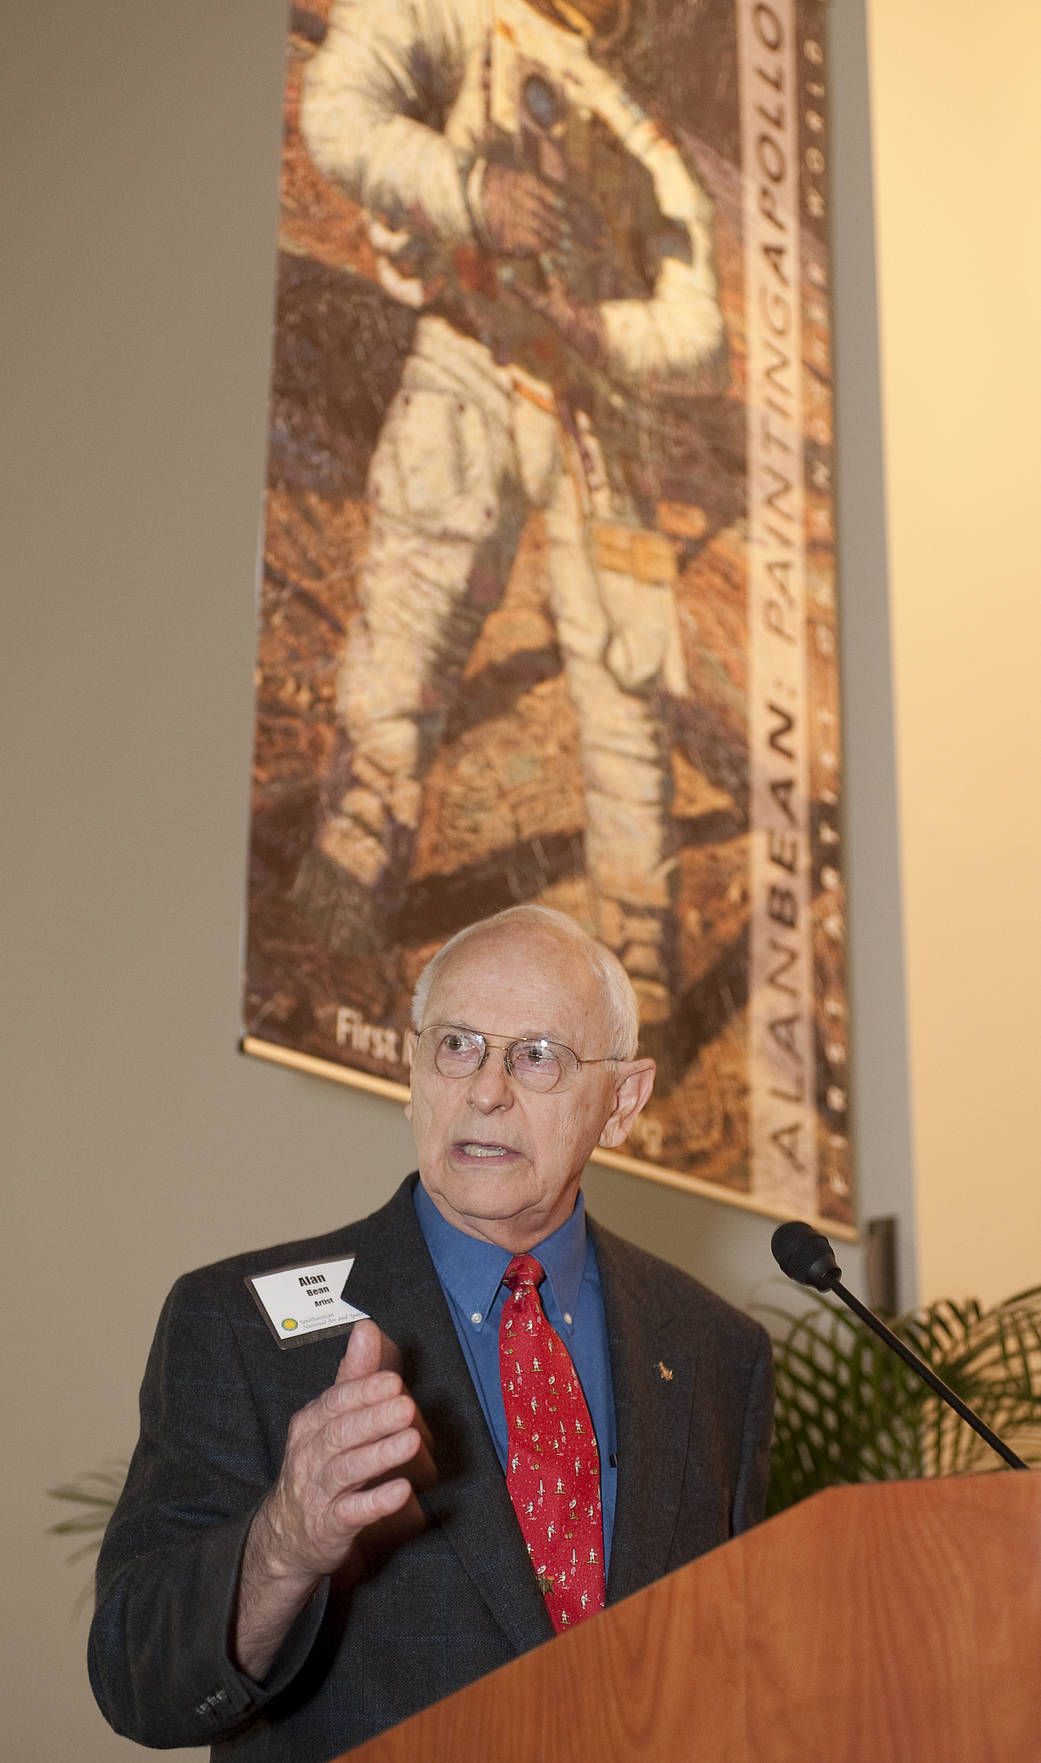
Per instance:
(926,1372)
(807,1256)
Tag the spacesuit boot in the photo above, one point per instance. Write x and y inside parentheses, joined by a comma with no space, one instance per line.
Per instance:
(352,884)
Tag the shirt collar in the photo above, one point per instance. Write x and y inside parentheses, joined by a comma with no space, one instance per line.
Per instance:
(471,1270)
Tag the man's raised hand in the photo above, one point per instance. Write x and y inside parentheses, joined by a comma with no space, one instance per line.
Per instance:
(342,1475)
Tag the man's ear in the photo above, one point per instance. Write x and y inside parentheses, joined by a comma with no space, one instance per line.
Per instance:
(633,1088)
(410,1054)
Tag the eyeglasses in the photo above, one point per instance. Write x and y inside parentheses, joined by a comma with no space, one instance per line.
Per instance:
(538,1065)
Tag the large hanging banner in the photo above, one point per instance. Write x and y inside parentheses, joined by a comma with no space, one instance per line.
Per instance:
(548,599)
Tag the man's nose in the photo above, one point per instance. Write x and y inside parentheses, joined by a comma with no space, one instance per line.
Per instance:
(491,1086)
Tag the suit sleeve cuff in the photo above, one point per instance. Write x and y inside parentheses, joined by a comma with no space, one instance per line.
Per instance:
(235,1698)
(178,1685)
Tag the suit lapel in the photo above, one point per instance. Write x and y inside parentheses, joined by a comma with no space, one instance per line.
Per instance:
(653,1374)
(393,1280)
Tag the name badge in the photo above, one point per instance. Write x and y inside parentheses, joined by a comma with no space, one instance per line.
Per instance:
(298,1303)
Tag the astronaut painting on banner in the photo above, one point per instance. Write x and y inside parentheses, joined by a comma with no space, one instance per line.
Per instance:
(558,253)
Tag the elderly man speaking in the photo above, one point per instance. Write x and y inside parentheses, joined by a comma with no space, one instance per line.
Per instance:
(531,1419)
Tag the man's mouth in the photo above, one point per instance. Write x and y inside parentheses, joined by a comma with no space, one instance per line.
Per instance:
(472,1148)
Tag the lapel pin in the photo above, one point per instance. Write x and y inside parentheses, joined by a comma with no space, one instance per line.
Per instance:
(663,1372)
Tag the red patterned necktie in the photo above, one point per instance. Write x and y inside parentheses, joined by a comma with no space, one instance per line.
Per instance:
(552,1461)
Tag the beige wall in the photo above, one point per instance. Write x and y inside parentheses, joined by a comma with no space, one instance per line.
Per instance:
(957,97)
(141,157)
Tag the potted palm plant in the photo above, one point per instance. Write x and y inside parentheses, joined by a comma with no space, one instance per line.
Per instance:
(848,1410)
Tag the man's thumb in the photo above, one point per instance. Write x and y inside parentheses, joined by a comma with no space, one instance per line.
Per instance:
(362,1356)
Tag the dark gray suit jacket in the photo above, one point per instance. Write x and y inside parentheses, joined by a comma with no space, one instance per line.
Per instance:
(451,1604)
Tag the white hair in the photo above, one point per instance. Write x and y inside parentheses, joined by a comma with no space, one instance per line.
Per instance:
(622,1009)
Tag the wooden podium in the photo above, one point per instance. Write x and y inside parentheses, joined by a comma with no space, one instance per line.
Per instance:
(894,1623)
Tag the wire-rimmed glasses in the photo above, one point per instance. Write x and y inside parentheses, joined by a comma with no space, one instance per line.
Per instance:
(538,1064)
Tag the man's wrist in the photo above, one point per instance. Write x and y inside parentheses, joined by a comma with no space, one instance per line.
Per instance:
(268,1557)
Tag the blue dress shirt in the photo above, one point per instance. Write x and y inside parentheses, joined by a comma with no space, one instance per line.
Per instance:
(470,1272)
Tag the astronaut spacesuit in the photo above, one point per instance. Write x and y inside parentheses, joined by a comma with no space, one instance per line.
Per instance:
(406,107)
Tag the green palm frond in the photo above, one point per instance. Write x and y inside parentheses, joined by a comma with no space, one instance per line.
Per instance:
(848,1410)
(96,1491)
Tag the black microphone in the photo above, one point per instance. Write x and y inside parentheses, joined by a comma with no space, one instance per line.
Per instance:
(806,1255)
